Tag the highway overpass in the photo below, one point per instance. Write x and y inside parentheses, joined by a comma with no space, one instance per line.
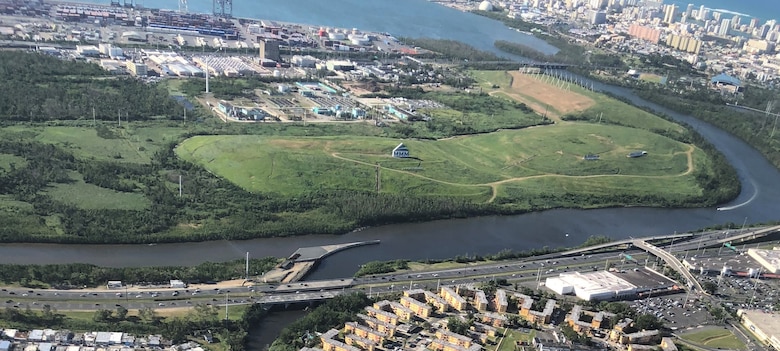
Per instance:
(619,243)
(749,235)
(672,261)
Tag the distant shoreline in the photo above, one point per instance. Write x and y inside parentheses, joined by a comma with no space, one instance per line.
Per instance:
(71,2)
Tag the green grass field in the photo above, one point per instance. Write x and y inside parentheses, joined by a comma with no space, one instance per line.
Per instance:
(715,338)
(464,166)
(90,196)
(7,160)
(130,144)
(651,77)
(511,337)
(610,110)
(133,143)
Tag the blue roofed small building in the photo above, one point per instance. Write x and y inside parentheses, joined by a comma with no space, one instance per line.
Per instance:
(5,345)
(401,151)
(726,82)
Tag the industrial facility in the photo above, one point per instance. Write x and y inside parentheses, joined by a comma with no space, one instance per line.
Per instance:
(224,66)
(194,24)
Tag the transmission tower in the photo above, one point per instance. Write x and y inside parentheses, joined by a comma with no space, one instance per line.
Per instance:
(183,8)
(223,8)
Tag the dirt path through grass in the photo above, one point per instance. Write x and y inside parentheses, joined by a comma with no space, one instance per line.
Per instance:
(494,185)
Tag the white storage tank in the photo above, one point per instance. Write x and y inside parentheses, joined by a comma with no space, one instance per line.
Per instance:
(277,73)
(336,36)
(359,40)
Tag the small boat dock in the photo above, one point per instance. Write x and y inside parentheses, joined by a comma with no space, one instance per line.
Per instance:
(295,267)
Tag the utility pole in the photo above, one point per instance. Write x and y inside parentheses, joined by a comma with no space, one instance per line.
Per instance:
(93,117)
(179,185)
(207,74)
(119,117)
(378,168)
(247,265)
(226,306)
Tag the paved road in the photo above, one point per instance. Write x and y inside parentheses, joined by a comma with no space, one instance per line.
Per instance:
(526,270)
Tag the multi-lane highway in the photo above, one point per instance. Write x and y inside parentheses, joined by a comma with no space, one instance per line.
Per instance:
(523,271)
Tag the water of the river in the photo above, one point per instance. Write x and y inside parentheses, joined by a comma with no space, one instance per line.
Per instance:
(446,238)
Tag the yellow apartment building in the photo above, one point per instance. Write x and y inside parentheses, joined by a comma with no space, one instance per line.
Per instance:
(452,298)
(421,309)
(364,331)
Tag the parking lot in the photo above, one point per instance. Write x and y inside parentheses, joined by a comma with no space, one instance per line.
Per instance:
(674,311)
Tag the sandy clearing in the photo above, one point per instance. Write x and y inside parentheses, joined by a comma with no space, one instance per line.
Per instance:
(562,100)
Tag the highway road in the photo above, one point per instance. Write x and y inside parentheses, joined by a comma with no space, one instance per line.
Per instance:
(524,271)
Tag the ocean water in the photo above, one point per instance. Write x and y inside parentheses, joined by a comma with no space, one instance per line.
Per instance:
(764,10)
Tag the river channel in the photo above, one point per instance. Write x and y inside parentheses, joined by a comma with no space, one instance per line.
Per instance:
(447,238)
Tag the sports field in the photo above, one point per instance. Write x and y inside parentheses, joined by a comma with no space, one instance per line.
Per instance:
(479,167)
(714,337)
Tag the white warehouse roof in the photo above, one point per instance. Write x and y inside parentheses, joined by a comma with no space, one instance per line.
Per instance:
(769,259)
(600,285)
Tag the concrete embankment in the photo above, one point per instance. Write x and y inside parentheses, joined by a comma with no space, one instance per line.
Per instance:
(303,260)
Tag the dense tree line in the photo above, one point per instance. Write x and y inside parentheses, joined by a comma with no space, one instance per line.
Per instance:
(585,60)
(380,267)
(754,129)
(516,23)
(451,49)
(231,334)
(79,275)
(42,88)
(47,164)
(525,51)
(332,314)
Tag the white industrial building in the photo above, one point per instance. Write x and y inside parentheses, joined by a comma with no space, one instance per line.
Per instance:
(592,286)
(303,61)
(224,66)
(110,50)
(769,259)
(184,70)
(88,50)
(763,325)
(340,65)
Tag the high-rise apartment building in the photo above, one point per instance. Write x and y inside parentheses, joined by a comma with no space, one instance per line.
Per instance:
(670,13)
